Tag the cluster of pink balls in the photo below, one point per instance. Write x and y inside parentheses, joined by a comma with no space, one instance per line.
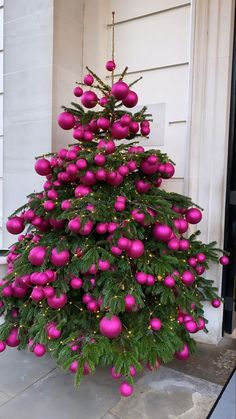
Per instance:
(133,248)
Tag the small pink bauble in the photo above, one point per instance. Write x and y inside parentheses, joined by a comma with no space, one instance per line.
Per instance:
(201,257)
(48,291)
(193,215)
(39,349)
(101,228)
(142,186)
(116,251)
(136,250)
(88,79)
(103,265)
(111,328)
(2,346)
(129,302)
(173,244)
(89,99)
(130,100)
(57,302)
(74,366)
(82,190)
(37,255)
(155,324)
(184,245)
(224,260)
(49,205)
(74,225)
(183,354)
(147,168)
(192,262)
(100,159)
(150,280)
(108,146)
(110,65)
(132,371)
(114,374)
(59,258)
(181,225)
(37,294)
(123,243)
(201,323)
(12,339)
(15,225)
(191,326)
(216,303)
(169,281)
(103,123)
(92,306)
(188,278)
(54,333)
(103,101)
(126,389)
(162,232)
(125,120)
(120,90)
(76,283)
(78,91)
(141,277)
(66,120)
(118,131)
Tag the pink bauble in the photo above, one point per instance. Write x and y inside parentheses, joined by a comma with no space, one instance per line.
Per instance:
(116,251)
(81,164)
(92,306)
(76,283)
(88,136)
(169,281)
(74,225)
(78,91)
(82,190)
(192,262)
(173,244)
(54,333)
(123,170)
(147,168)
(48,291)
(2,346)
(39,349)
(131,99)
(141,277)
(200,269)
(37,294)
(193,215)
(103,265)
(108,146)
(89,99)
(201,323)
(201,257)
(101,228)
(56,224)
(74,366)
(60,258)
(86,298)
(103,123)
(37,255)
(29,215)
(110,65)
(155,324)
(216,303)
(188,278)
(184,245)
(150,280)
(100,159)
(119,206)
(169,171)
(57,302)
(120,90)
(145,131)
(111,328)
(181,225)
(132,371)
(87,228)
(224,260)
(123,243)
(119,132)
(142,186)
(12,339)
(43,167)
(183,354)
(114,374)
(126,389)
(72,170)
(191,326)
(138,216)
(136,249)
(101,174)
(129,302)
(88,79)
(125,120)
(7,291)
(15,225)
(89,178)
(134,127)
(162,232)
(49,205)
(66,120)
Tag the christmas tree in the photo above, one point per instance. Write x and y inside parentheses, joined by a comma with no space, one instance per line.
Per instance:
(105,273)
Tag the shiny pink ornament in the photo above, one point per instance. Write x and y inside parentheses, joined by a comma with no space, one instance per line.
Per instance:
(54,333)
(103,101)
(52,194)
(92,306)
(2,346)
(76,283)
(136,249)
(224,260)
(120,90)
(108,146)
(116,251)
(161,232)
(192,262)
(216,303)
(138,216)
(130,100)
(37,294)
(74,366)
(82,190)
(89,99)
(29,215)
(12,339)
(134,127)
(201,257)
(125,120)
(101,174)
(87,228)
(66,120)
(48,291)
(103,123)
(81,164)
(150,280)
(184,245)
(114,374)
(126,389)
(72,170)
(147,168)
(173,244)
(15,225)
(188,278)
(74,225)
(103,265)
(39,349)
(181,225)
(193,215)
(168,171)
(110,65)
(37,255)
(123,243)
(169,281)
(49,205)
(200,269)
(155,324)
(191,326)
(145,131)
(101,228)
(78,91)
(60,258)
(129,302)
(141,278)
(119,132)
(100,159)
(57,302)
(132,371)
(201,323)
(89,178)
(88,79)
(111,328)
(87,298)
(43,167)
(142,186)
(183,355)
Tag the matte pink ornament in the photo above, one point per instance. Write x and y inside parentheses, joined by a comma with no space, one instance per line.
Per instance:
(57,302)
(7,291)
(183,355)
(123,170)
(78,91)
(37,255)
(88,79)
(12,339)
(76,283)
(130,100)
(89,99)
(111,328)
(118,131)
(88,136)
(39,350)
(155,324)
(224,260)
(216,303)
(15,225)
(126,389)
(188,278)
(59,258)
(2,346)
(169,281)
(120,90)
(110,65)
(161,232)
(114,374)
(193,215)
(66,120)
(136,249)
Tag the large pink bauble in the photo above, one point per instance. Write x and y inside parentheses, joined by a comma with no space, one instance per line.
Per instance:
(108,146)
(103,123)
(216,303)
(120,90)
(161,232)
(183,354)
(147,168)
(48,291)
(15,225)
(89,178)
(191,326)
(136,250)
(29,215)
(126,389)
(169,281)
(81,164)
(82,190)
(118,131)
(193,215)
(155,324)
(43,167)
(74,225)
(37,294)
(89,99)
(181,225)
(188,278)
(66,120)
(123,243)
(131,99)
(100,159)
(129,302)
(142,186)
(39,349)
(114,374)
(111,328)
(60,258)
(57,302)
(201,257)
(37,255)
(76,283)
(2,346)
(12,339)
(224,260)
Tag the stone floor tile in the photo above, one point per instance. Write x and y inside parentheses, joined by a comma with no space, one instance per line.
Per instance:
(4,397)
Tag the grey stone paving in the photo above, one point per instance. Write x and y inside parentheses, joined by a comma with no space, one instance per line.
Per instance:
(32,388)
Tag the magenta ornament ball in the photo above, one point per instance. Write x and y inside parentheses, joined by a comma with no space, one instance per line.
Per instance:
(114,374)
(201,323)
(12,339)
(57,302)
(60,258)
(108,146)
(142,186)
(123,243)
(78,91)
(188,278)
(89,99)
(120,90)
(54,333)
(150,280)
(129,302)
(111,328)
(131,99)
(39,349)
(193,215)
(119,132)
(224,260)
(183,355)
(2,346)
(48,291)
(161,232)
(37,255)
(37,294)
(100,160)
(76,283)
(216,303)
(201,257)
(173,244)
(103,123)
(74,366)
(126,389)
(110,65)
(192,262)
(42,167)
(132,371)
(66,120)
(169,281)
(141,278)
(136,249)
(88,79)
(191,326)
(155,324)
(184,245)
(15,225)
(74,225)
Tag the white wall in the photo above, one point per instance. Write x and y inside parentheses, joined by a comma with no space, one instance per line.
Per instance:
(1,116)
